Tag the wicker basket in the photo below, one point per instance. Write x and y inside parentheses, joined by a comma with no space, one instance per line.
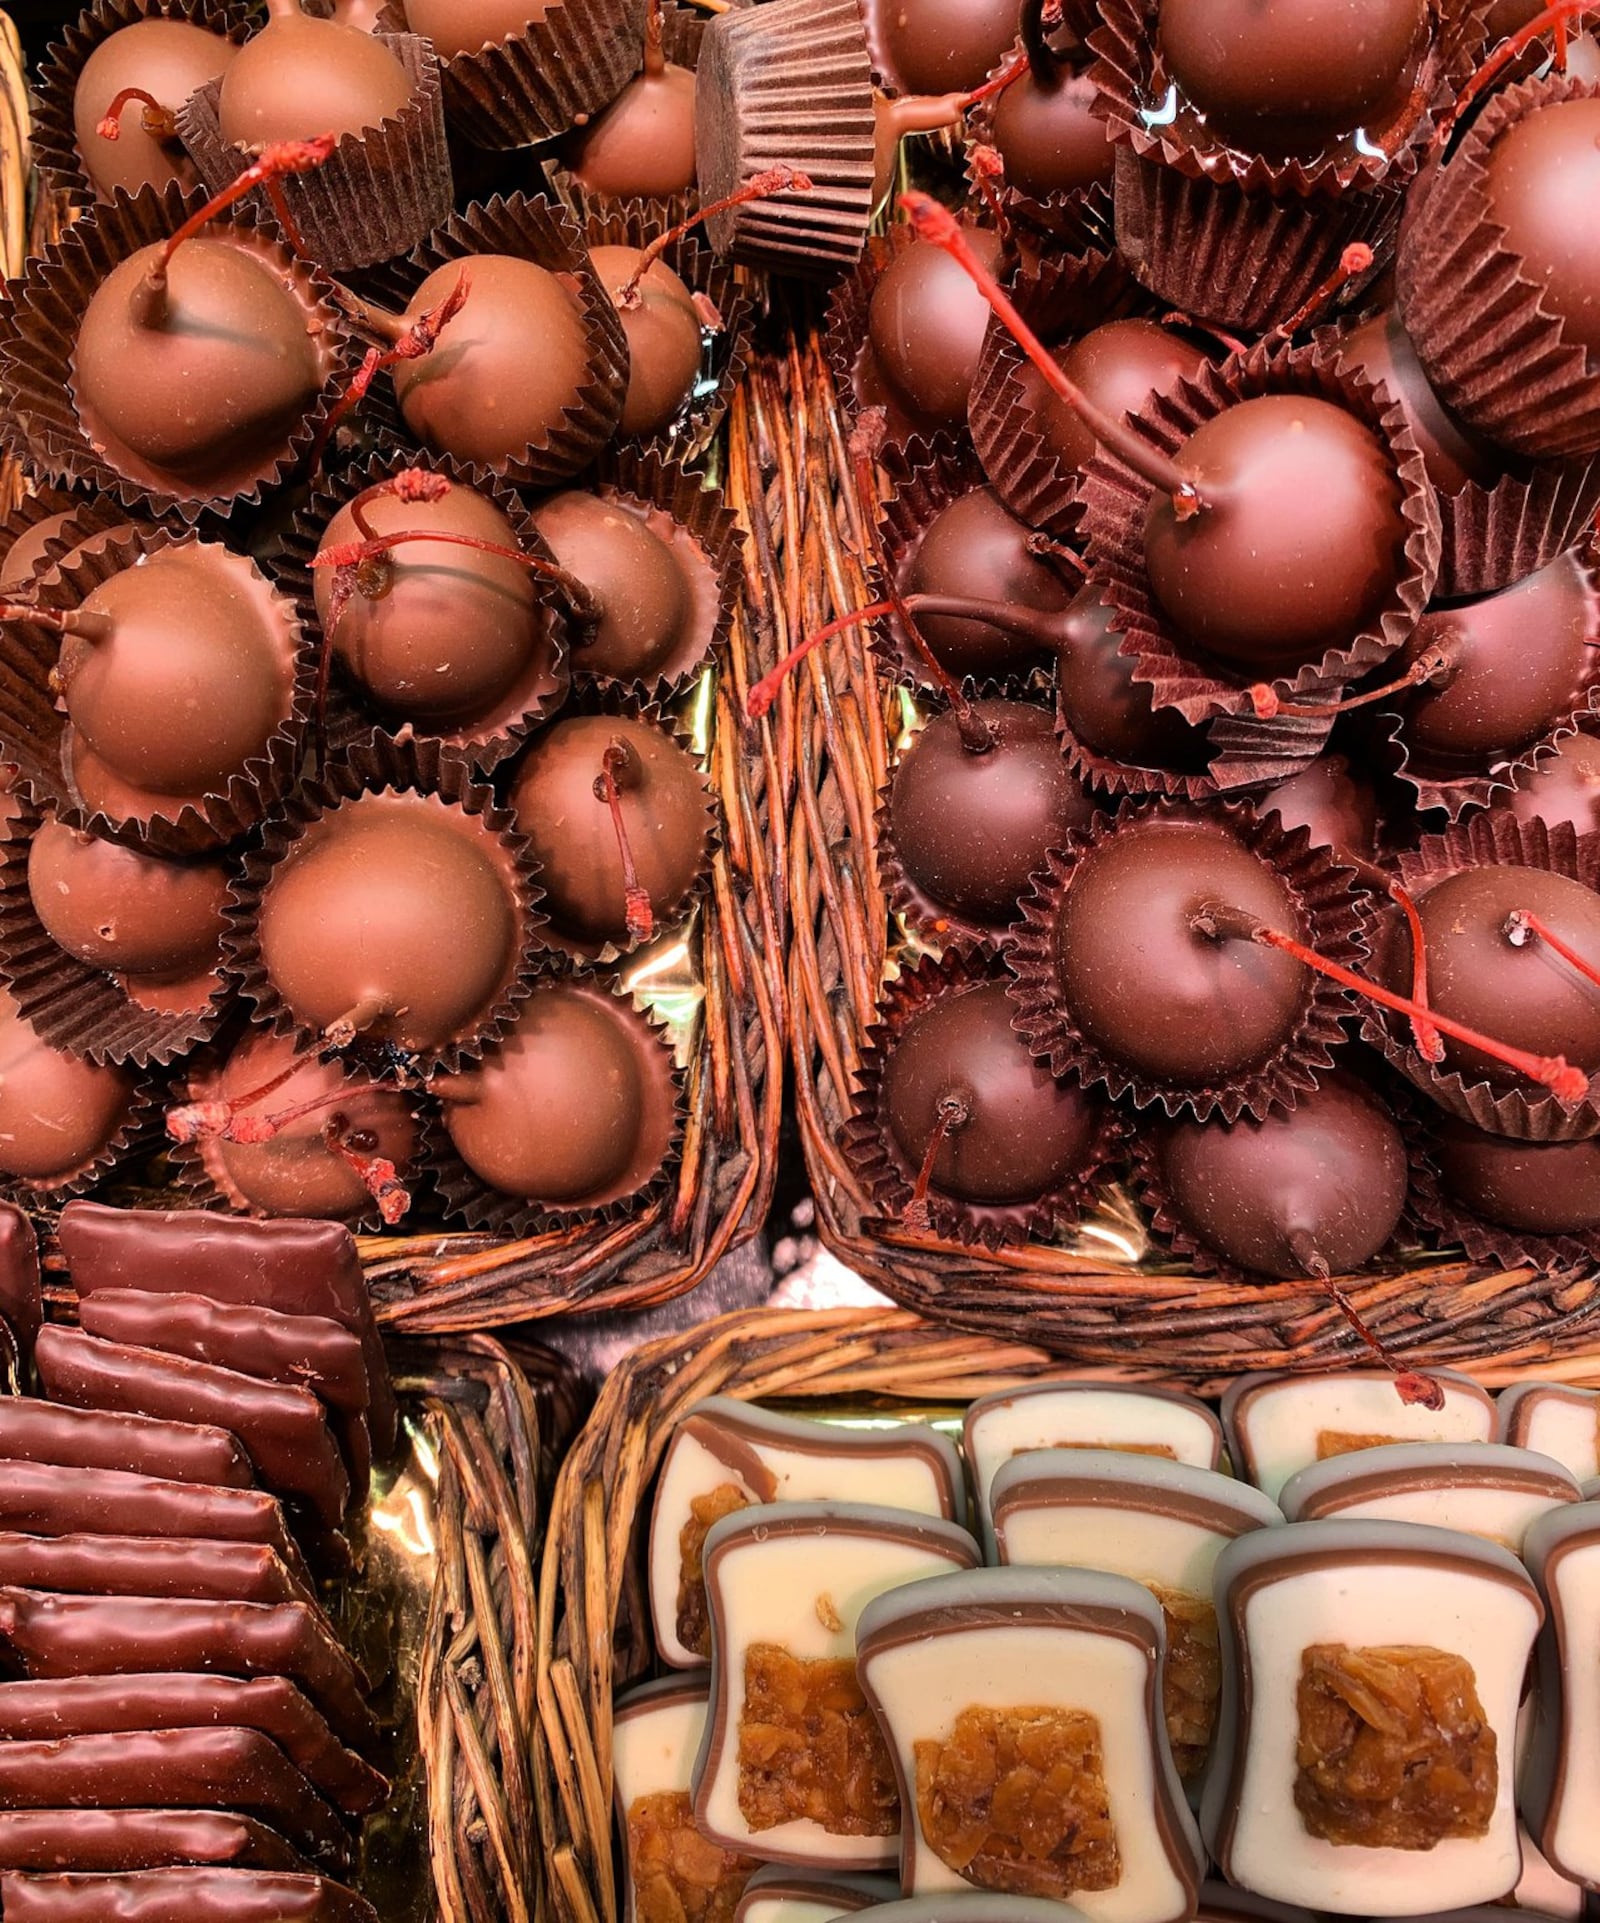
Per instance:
(1100,1297)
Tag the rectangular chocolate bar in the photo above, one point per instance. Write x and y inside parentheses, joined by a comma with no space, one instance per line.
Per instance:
(138,1839)
(149,1566)
(35,1431)
(181,1896)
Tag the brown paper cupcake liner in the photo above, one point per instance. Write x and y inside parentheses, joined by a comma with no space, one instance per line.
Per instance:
(468,1199)
(1248,753)
(856,381)
(1121,780)
(350,714)
(33,727)
(1116,500)
(38,343)
(53,141)
(136,1136)
(1491,351)
(890,1179)
(1491,537)
(90,515)
(703,532)
(382,191)
(75,1008)
(380,764)
(1529,1113)
(788,83)
(546,234)
(1062,299)
(1332,915)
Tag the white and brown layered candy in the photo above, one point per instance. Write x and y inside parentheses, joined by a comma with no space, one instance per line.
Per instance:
(1365,1754)
(1022,1708)
(1277,1424)
(1556,1421)
(793,1768)
(1220,1903)
(1160,1523)
(1561,1774)
(1481,1488)
(779,1894)
(726,1455)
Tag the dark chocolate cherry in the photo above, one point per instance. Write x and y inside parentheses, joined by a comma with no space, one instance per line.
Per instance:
(1532,1188)
(641,591)
(573,1110)
(394,916)
(57,1112)
(163,62)
(1312,1193)
(1119,366)
(1543,184)
(1292,77)
(975,549)
(943,46)
(1048,139)
(925,327)
(1022,1134)
(1564,786)
(1453,456)
(665,341)
(468,26)
(1332,802)
(970,827)
(1107,711)
(300,77)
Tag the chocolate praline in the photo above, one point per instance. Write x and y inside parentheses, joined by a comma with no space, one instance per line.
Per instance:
(975,548)
(636,578)
(169,60)
(300,77)
(664,335)
(1543,184)
(1534,1188)
(57,1113)
(1563,786)
(1119,366)
(925,327)
(942,46)
(1109,713)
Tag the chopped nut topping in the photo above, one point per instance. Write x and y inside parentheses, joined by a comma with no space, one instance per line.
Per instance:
(828,1616)
(1192,1679)
(1346,1442)
(694,1623)
(810,1749)
(680,1876)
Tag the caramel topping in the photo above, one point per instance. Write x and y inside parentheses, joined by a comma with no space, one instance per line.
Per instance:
(680,1876)
(1162,1449)
(1192,1679)
(809,1748)
(1345,1442)
(694,1622)
(1393,1749)
(1015,1800)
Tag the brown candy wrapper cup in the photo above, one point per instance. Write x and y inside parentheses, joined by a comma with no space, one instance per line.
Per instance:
(383,189)
(536,84)
(706,540)
(88,516)
(382,765)
(1061,300)
(1494,536)
(888,1174)
(1331,917)
(133,1135)
(1494,355)
(38,340)
(34,728)
(53,142)
(351,715)
(82,1010)
(1524,1110)
(546,234)
(788,83)
(477,1206)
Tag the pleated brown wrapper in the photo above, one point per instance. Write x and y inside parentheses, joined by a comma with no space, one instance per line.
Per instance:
(32,725)
(39,334)
(1490,349)
(80,1009)
(1043,226)
(890,1177)
(706,538)
(545,233)
(351,716)
(136,1133)
(535,84)
(1457,793)
(788,83)
(1253,751)
(1332,913)
(377,765)
(89,515)
(382,190)
(53,140)
(1236,238)
(477,1206)
(1522,1109)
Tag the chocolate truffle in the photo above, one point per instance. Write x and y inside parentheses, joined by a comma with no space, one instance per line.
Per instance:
(925,327)
(975,549)
(1561,787)
(664,338)
(941,46)
(1107,711)
(300,77)
(468,26)
(1532,1188)
(167,59)
(1335,805)
(57,1113)
(1119,366)
(1543,182)
(634,576)
(1047,137)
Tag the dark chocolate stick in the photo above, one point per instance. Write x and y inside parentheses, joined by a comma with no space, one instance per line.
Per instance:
(185,1567)
(36,1431)
(138,1839)
(181,1896)
(20,1305)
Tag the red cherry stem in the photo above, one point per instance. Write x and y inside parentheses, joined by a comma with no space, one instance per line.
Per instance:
(81,622)
(194,1121)
(1230,343)
(1428,666)
(1011,72)
(765,691)
(640,917)
(1510,50)
(952,1114)
(159,122)
(762,186)
(407,343)
(1430,1044)
(1411,1386)
(655,60)
(1356,259)
(1522,923)
(936,224)
(988,171)
(342,1031)
(378,1174)
(353,554)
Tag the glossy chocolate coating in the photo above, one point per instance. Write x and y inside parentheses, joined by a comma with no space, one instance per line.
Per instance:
(925,325)
(1382,349)
(974,547)
(183,1896)
(1292,77)
(396,901)
(642,144)
(1329,799)
(205,386)
(21,1307)
(57,1112)
(1119,366)
(1543,183)
(169,59)
(1026,1134)
(574,1110)
(942,46)
(1300,544)
(454,630)
(1564,786)
(199,1571)
(300,77)
(969,829)
(507,367)
(125,911)
(94,1840)
(1316,1191)
(1534,1188)
(664,338)
(466,26)
(1107,710)
(70,1438)
(1048,139)
(1144,986)
(664,806)
(642,592)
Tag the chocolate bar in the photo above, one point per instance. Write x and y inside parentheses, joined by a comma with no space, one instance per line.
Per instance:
(1481,1488)
(34,1431)
(149,1566)
(138,1839)
(181,1896)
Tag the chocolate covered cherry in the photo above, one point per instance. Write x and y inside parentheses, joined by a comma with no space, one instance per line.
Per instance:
(1563,786)
(1107,711)
(468,26)
(1532,1188)
(1119,366)
(975,549)
(300,77)
(1454,458)
(1047,138)
(925,328)
(663,331)
(943,46)
(57,1113)
(1543,184)
(1330,800)
(642,145)
(164,61)
(640,589)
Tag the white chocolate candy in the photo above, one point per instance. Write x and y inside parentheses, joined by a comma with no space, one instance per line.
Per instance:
(1542,1888)
(1371,1599)
(1481,1488)
(975,1906)
(1556,1421)
(961,1667)
(1561,1773)
(1219,1903)
(776,1894)
(722,1443)
(1277,1424)
(790,1580)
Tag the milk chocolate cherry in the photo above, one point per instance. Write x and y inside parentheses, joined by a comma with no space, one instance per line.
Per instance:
(640,596)
(127,97)
(468,26)
(57,1114)
(301,76)
(1048,140)
(642,145)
